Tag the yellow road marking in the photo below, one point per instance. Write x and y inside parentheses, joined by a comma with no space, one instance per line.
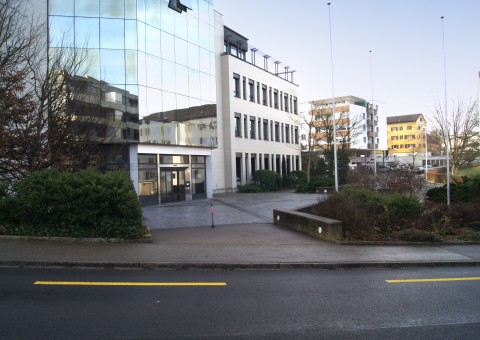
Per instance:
(446,279)
(142,284)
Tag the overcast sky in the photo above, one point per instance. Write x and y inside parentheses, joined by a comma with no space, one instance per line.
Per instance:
(405,37)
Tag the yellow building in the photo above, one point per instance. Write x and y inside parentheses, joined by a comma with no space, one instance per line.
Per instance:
(406,134)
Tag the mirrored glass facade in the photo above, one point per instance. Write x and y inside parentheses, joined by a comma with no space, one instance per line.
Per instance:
(150,70)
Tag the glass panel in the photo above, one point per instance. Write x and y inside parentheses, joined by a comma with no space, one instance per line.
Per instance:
(151,160)
(131,67)
(182,79)
(154,72)
(152,39)
(168,18)
(112,8)
(61,31)
(180,25)
(60,7)
(181,54)
(198,181)
(169,101)
(154,100)
(112,66)
(168,46)
(142,69)
(141,36)
(130,9)
(182,102)
(91,66)
(203,11)
(131,34)
(194,83)
(193,56)
(204,61)
(192,29)
(168,76)
(212,64)
(205,86)
(87,8)
(112,33)
(133,90)
(152,12)
(204,35)
(142,101)
(141,10)
(198,159)
(87,32)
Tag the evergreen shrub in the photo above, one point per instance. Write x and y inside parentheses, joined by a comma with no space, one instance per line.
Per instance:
(84,204)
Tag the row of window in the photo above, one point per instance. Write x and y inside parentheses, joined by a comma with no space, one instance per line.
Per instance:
(264,95)
(264,129)
(402,137)
(400,128)
(407,146)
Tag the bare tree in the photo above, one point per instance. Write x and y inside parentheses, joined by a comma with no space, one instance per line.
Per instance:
(463,131)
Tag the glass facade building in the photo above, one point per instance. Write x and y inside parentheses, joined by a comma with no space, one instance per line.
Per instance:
(150,75)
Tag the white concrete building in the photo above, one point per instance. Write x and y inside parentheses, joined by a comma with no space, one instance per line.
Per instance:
(257,112)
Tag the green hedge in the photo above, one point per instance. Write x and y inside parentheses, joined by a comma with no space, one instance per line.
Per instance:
(266,179)
(83,204)
(468,190)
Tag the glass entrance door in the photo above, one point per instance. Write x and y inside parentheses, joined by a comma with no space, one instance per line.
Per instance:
(172,185)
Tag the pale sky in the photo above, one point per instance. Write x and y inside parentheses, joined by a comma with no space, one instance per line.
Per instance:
(405,37)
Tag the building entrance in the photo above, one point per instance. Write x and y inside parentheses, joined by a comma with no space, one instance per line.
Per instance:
(172,185)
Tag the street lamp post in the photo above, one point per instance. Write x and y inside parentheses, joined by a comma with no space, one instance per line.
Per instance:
(426,152)
(333,105)
(447,137)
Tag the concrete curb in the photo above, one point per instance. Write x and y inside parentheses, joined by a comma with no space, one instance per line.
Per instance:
(234,266)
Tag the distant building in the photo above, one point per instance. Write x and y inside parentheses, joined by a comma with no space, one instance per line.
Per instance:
(357,124)
(406,134)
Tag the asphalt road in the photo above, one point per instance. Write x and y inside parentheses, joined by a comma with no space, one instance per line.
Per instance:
(338,304)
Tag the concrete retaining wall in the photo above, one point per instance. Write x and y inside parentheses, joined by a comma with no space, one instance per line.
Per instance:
(300,220)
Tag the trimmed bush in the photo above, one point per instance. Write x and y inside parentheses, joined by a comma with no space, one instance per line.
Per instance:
(266,179)
(400,206)
(83,204)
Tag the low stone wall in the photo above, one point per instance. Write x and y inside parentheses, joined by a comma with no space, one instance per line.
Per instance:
(300,220)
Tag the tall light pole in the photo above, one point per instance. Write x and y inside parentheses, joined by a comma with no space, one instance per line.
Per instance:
(447,137)
(373,117)
(333,105)
(426,152)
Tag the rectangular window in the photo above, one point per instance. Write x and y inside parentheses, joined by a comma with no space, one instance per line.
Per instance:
(394,129)
(296,135)
(277,132)
(245,126)
(251,88)
(287,133)
(282,131)
(252,127)
(295,106)
(244,88)
(265,129)
(238,125)
(258,93)
(275,98)
(264,95)
(271,130)
(236,85)
(401,128)
(281,100)
(409,127)
(394,137)
(285,100)
(270,96)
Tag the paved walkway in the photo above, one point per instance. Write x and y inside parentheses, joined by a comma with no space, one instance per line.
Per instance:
(243,237)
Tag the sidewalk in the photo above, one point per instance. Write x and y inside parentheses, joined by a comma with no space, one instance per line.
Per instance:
(249,240)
